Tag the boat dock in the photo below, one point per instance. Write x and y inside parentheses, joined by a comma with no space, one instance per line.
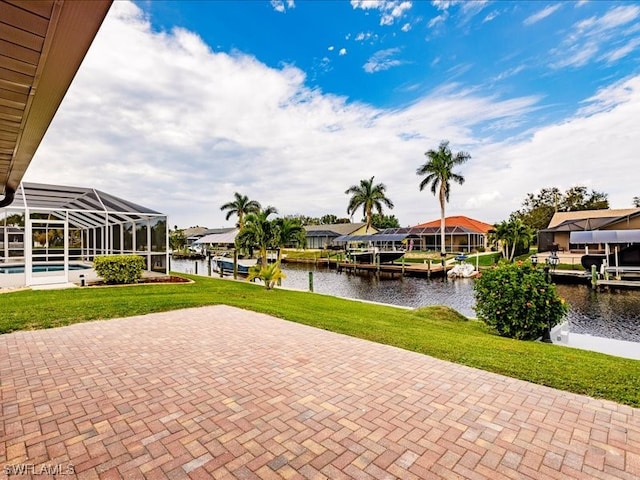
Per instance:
(400,269)
(407,269)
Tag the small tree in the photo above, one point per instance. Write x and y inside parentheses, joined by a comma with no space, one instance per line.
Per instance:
(517,301)
(269,274)
(177,240)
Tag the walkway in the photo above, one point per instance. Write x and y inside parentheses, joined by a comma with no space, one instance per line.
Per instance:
(218,392)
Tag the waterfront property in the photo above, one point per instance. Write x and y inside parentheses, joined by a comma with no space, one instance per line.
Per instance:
(66,226)
(557,235)
(323,236)
(462,234)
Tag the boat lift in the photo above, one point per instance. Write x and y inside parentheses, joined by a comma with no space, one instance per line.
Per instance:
(609,237)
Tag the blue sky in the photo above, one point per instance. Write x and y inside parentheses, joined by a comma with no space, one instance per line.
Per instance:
(180,104)
(391,53)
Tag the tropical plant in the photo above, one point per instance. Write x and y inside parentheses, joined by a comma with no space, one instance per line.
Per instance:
(369,197)
(258,232)
(240,206)
(438,174)
(289,232)
(517,301)
(15,219)
(511,237)
(177,240)
(270,274)
(636,202)
(382,221)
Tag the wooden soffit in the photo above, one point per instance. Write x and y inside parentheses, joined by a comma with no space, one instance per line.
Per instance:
(42,44)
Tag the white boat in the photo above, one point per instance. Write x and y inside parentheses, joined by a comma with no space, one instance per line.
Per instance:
(226,264)
(462,270)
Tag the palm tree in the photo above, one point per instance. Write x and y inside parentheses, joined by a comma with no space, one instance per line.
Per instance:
(289,230)
(258,232)
(240,206)
(438,172)
(369,197)
(636,202)
(520,235)
(269,274)
(500,236)
(511,234)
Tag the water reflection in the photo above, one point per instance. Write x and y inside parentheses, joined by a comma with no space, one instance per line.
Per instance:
(605,314)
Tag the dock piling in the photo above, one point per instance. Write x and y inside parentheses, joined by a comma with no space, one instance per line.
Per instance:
(311,281)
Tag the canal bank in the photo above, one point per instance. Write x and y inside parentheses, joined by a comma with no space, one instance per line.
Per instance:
(611,315)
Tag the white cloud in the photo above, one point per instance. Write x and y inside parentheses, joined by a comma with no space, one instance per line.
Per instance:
(438,20)
(577,55)
(406,27)
(542,14)
(465,13)
(162,120)
(509,73)
(618,53)
(331,47)
(366,36)
(382,60)
(279,5)
(390,10)
(444,4)
(593,35)
(343,51)
(490,16)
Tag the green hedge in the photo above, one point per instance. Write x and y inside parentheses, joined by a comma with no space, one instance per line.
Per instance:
(119,269)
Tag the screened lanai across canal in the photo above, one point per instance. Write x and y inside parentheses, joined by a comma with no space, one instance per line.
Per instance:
(50,230)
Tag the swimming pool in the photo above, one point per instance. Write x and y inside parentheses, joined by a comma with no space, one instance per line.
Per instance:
(53,267)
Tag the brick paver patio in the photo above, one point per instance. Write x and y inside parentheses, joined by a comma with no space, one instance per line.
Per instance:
(218,392)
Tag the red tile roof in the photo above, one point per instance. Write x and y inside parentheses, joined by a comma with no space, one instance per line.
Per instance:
(460,221)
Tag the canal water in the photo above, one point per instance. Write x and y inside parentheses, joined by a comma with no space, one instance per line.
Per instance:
(614,315)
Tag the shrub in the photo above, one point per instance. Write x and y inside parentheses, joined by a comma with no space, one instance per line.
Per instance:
(517,301)
(269,274)
(119,268)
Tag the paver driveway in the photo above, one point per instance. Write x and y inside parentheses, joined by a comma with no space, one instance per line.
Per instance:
(218,392)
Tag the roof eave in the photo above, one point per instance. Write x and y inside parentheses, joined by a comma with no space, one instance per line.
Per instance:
(71,30)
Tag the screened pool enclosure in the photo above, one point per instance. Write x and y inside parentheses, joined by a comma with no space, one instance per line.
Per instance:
(62,228)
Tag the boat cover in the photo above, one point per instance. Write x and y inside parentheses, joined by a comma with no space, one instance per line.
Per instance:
(605,236)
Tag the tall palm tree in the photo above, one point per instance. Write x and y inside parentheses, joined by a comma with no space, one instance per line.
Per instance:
(369,197)
(258,232)
(240,206)
(438,173)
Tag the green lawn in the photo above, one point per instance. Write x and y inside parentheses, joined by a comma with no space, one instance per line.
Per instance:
(436,331)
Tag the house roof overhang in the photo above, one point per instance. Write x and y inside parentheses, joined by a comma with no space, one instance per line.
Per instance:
(42,45)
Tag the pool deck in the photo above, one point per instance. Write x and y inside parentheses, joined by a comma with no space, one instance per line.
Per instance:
(218,392)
